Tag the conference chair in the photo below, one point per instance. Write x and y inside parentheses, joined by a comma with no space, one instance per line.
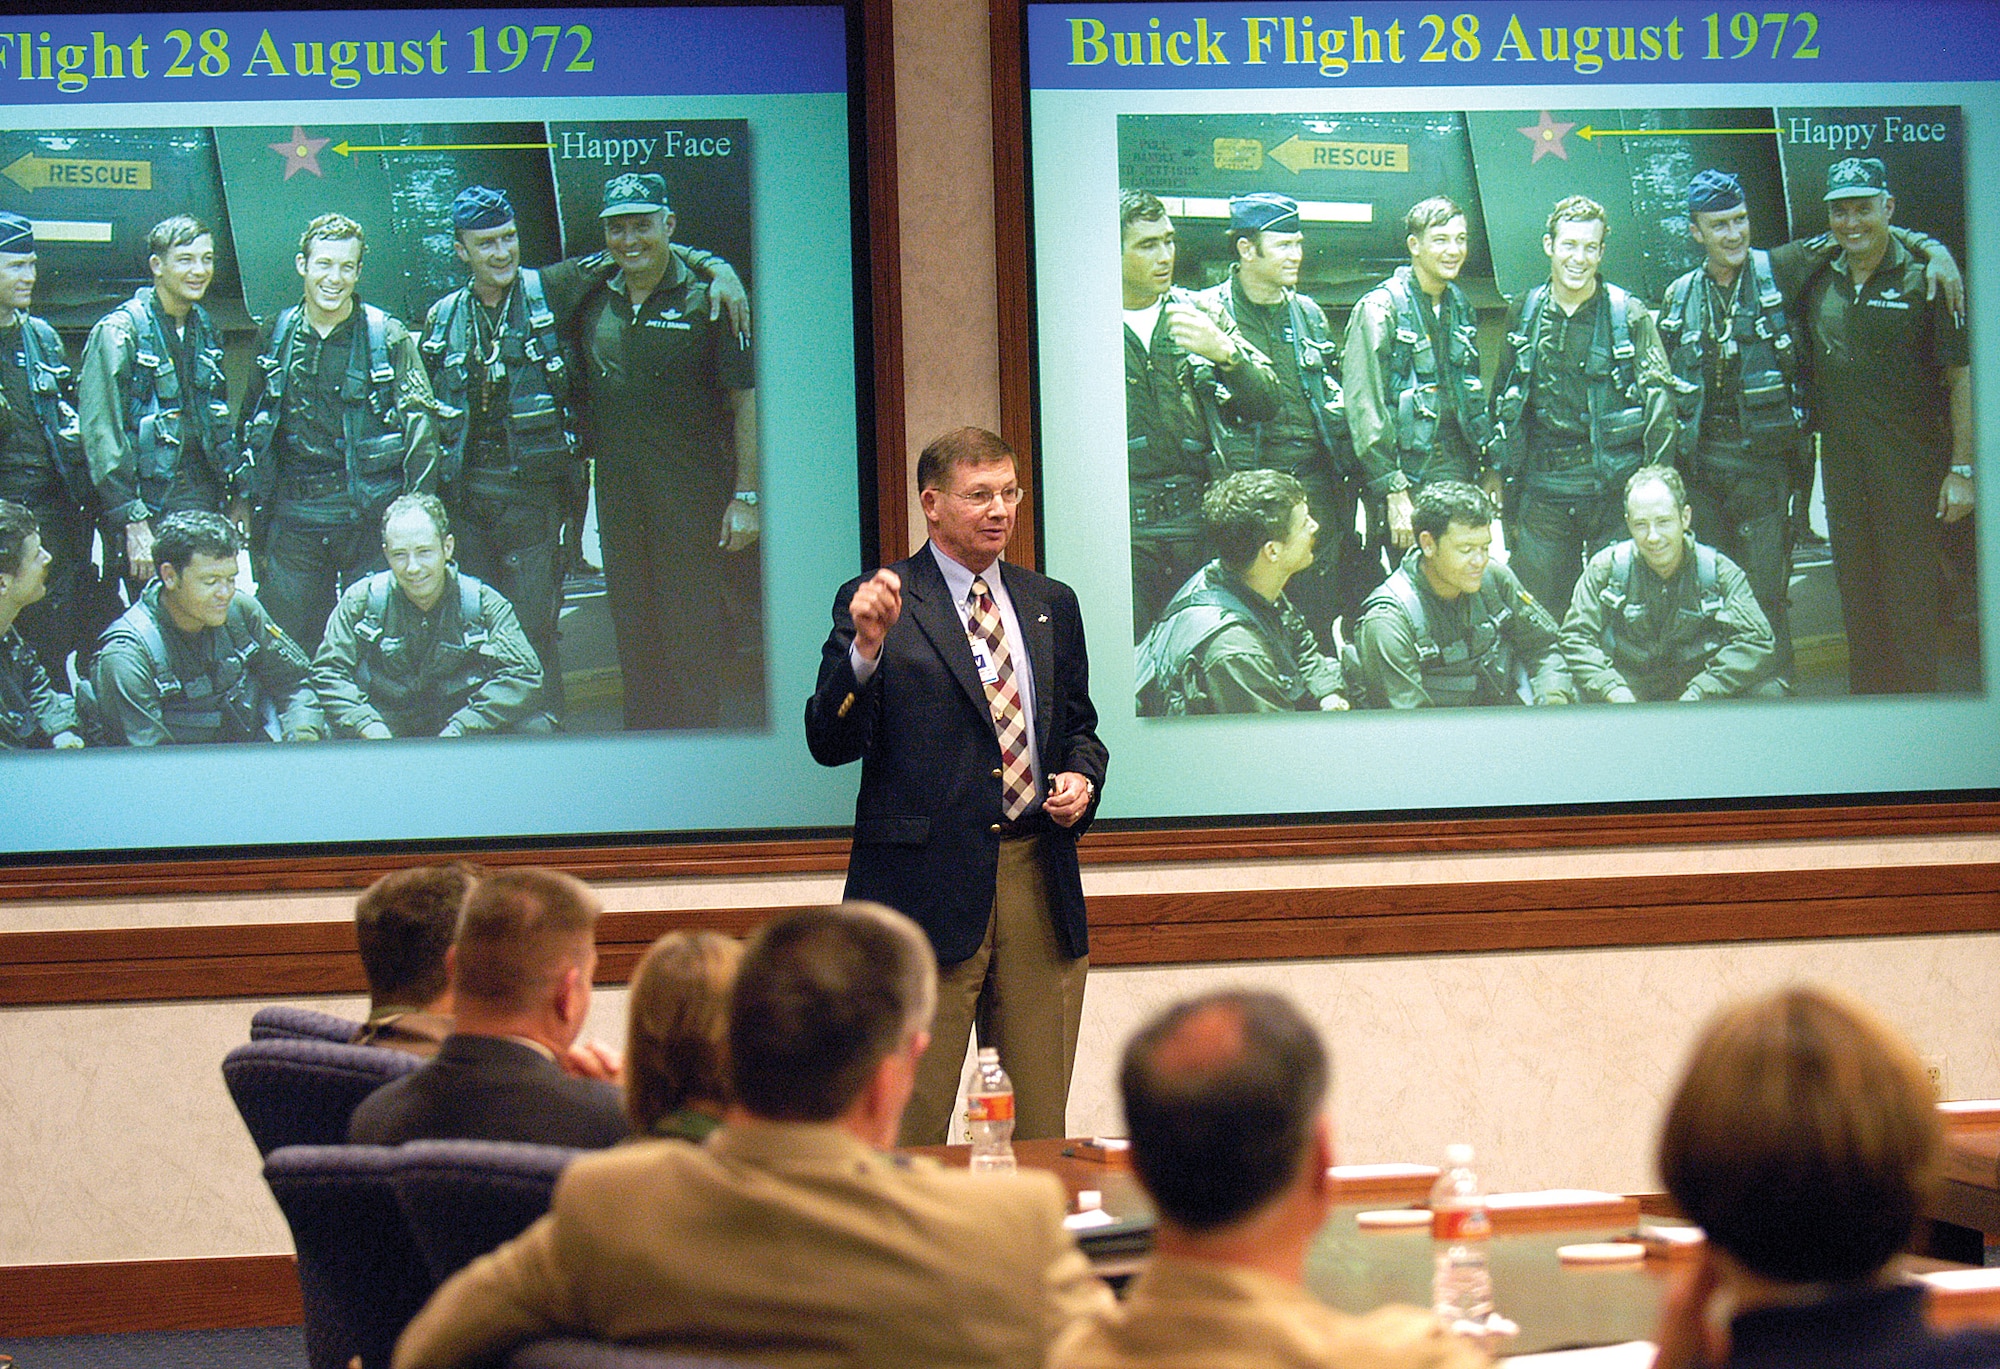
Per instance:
(463,1198)
(569,1353)
(308,1024)
(294,1092)
(360,1274)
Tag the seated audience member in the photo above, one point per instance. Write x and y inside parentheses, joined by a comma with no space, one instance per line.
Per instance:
(790,1239)
(33,712)
(677,1035)
(1801,1139)
(404,925)
(1222,1100)
(520,988)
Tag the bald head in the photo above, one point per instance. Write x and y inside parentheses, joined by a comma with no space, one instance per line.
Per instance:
(1221,1093)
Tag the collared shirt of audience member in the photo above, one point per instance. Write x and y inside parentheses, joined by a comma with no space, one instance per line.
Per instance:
(154,402)
(677,1035)
(1583,398)
(672,403)
(1892,400)
(42,465)
(1415,403)
(1188,372)
(1231,641)
(1307,439)
(404,925)
(196,659)
(1802,1139)
(423,649)
(1224,1103)
(1452,626)
(338,421)
(1662,617)
(33,712)
(789,1238)
(520,970)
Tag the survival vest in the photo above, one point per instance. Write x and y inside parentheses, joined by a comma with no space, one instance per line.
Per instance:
(1620,608)
(1316,357)
(395,683)
(1453,675)
(1164,661)
(223,702)
(1413,367)
(541,431)
(161,404)
(49,381)
(371,427)
(1617,414)
(1766,402)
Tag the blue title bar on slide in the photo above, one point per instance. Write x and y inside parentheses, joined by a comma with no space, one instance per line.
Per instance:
(420,54)
(1611,42)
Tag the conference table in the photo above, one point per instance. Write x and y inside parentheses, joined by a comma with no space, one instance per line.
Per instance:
(1556,1305)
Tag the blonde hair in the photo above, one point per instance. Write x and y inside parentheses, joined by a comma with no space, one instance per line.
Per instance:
(677,1030)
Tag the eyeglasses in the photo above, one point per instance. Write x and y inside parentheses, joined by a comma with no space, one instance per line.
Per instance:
(980,498)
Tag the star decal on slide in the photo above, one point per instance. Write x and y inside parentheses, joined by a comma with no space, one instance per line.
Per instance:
(1547,136)
(302,153)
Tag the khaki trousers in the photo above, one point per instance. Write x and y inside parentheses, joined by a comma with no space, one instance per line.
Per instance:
(1026,996)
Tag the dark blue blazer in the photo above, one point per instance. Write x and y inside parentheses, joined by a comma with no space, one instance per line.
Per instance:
(487,1088)
(924,838)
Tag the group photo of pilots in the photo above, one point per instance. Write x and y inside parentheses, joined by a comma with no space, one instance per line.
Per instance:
(1430,410)
(376,432)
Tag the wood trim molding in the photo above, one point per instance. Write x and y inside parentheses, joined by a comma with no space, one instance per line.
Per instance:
(1013,263)
(150,1295)
(1109,843)
(304,958)
(885,264)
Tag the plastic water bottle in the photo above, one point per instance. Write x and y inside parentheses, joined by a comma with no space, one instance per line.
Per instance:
(990,1110)
(1462,1285)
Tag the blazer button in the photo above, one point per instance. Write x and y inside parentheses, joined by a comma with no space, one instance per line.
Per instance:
(994,828)
(996,774)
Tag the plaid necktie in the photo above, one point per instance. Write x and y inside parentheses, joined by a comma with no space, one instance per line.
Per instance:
(1003,696)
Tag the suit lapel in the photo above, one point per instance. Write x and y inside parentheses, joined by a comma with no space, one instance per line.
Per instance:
(927,599)
(1033,611)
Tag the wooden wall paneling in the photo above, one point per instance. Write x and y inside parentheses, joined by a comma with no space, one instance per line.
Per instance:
(148,1295)
(298,959)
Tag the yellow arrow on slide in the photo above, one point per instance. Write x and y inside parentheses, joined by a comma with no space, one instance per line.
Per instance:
(349,149)
(1587,132)
(32,172)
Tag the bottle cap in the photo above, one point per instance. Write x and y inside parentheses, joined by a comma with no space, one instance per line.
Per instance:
(989,1055)
(1458,1153)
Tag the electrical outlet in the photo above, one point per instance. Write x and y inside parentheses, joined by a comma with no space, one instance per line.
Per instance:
(1934,1070)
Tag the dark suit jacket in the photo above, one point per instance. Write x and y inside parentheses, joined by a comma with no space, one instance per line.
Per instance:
(924,838)
(487,1088)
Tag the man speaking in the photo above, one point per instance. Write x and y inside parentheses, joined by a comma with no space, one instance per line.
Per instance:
(963,686)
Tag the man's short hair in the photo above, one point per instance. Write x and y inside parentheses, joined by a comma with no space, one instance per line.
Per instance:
(1138,206)
(677,1026)
(1441,503)
(331,228)
(17,525)
(960,447)
(178,537)
(1577,209)
(1665,475)
(177,230)
(1216,1134)
(1435,212)
(405,923)
(822,998)
(521,929)
(429,505)
(1801,1137)
(1246,509)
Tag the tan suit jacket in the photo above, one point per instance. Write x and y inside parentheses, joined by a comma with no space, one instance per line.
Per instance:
(792,1245)
(1183,1315)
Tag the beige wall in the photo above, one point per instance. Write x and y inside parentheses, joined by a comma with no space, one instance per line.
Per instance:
(120,1142)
